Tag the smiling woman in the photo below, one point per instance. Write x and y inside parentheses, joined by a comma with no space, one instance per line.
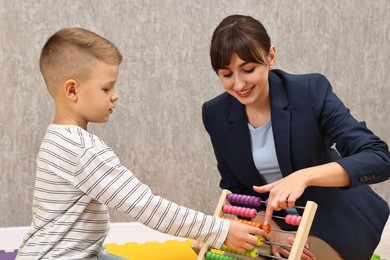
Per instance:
(273,133)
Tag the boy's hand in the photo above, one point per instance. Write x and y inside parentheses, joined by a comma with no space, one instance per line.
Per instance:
(242,237)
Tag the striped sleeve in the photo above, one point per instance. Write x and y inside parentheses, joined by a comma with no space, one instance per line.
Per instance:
(100,174)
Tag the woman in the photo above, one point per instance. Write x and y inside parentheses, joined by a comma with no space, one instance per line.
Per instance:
(275,131)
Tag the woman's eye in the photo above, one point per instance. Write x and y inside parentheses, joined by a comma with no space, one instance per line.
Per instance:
(250,70)
(227,75)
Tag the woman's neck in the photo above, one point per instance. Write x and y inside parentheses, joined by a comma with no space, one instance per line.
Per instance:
(259,113)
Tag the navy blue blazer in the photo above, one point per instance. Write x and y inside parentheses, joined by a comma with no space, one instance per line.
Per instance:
(307,119)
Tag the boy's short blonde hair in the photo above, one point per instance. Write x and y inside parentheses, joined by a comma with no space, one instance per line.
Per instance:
(71,53)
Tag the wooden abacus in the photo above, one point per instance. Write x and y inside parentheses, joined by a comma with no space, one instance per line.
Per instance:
(299,242)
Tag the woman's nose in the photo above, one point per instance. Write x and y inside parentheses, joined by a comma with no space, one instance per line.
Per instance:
(239,83)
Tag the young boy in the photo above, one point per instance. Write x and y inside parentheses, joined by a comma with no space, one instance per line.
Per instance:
(78,175)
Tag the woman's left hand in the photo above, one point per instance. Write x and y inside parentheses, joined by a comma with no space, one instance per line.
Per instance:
(281,239)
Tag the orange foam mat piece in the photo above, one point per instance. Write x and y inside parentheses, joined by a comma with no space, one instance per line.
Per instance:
(168,250)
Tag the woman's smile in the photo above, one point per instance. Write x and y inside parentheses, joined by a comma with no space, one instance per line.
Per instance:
(245,93)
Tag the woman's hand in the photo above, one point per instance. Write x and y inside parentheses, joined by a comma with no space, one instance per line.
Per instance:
(283,251)
(285,239)
(282,193)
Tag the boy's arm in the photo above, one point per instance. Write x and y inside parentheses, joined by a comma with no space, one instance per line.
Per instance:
(100,175)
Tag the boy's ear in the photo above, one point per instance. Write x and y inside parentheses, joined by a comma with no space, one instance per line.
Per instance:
(70,88)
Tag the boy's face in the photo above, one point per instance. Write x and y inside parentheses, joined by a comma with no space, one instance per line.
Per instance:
(96,95)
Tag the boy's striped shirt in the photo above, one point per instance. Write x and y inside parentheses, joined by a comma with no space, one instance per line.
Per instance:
(78,176)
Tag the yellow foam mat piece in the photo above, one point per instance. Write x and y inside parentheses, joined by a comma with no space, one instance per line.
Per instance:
(168,250)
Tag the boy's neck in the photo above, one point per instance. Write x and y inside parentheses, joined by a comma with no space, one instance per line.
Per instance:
(68,120)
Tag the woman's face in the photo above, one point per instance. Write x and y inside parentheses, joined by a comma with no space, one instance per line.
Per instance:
(248,82)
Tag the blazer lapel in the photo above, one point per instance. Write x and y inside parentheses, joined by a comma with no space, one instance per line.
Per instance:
(240,143)
(280,122)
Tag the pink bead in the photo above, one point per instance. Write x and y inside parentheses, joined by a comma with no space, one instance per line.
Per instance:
(239,211)
(298,220)
(293,220)
(288,219)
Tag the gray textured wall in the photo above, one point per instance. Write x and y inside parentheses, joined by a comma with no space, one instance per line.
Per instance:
(166,76)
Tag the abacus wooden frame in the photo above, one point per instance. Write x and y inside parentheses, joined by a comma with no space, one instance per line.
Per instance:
(300,237)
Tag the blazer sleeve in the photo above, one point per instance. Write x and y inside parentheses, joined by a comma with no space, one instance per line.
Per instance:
(364,156)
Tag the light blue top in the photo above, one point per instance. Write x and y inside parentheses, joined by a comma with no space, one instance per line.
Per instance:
(264,154)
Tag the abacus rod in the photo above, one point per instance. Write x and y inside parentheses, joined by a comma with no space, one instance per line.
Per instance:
(243,257)
(298,207)
(280,217)
(282,231)
(261,214)
(275,243)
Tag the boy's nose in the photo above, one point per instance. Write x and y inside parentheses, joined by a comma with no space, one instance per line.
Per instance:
(115,97)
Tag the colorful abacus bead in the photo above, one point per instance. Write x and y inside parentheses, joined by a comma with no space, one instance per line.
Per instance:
(243,199)
(250,223)
(215,256)
(260,241)
(239,211)
(266,228)
(250,253)
(293,220)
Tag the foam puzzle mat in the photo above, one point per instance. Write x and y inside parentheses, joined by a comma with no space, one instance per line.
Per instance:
(168,250)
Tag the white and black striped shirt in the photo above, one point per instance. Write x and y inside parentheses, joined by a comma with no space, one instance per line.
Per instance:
(78,176)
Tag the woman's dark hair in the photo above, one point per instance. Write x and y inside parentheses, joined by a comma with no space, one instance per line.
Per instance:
(243,35)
